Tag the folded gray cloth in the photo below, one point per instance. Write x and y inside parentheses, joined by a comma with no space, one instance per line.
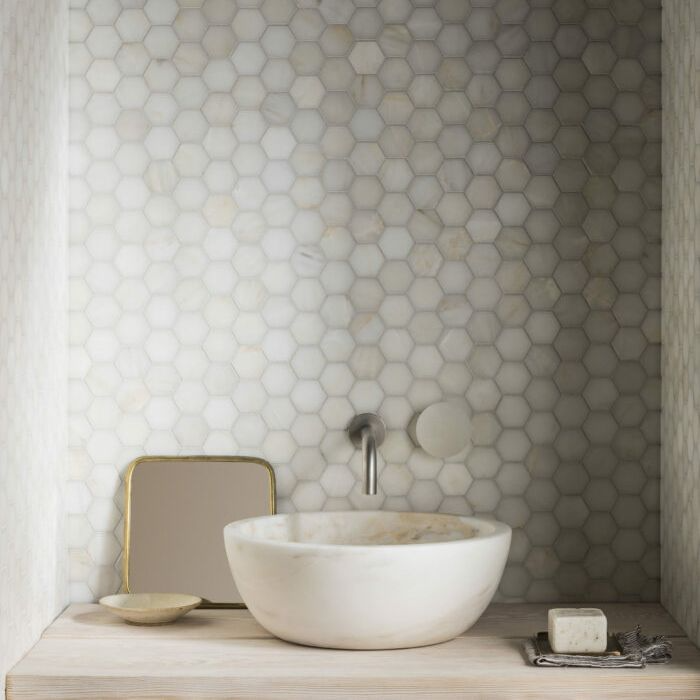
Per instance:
(625,650)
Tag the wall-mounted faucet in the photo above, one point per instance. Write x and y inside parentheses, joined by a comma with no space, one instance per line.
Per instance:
(368,431)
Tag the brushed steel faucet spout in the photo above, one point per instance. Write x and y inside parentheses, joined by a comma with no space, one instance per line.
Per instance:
(368,431)
(369,459)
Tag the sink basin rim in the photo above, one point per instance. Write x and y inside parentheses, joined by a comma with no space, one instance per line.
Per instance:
(499,529)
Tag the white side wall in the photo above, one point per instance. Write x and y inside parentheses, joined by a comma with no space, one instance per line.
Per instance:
(680,483)
(33,285)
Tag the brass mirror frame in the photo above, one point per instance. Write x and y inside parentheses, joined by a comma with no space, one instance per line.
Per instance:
(184,458)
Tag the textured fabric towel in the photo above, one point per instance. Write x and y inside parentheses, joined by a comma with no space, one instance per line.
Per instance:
(626,650)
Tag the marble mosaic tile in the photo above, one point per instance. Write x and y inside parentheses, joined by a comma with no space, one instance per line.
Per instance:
(284,213)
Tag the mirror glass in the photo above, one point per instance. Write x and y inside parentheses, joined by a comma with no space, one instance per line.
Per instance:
(176,510)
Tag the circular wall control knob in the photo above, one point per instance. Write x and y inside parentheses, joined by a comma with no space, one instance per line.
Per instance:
(443,429)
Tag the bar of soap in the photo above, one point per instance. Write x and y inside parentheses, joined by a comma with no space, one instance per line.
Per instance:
(577,630)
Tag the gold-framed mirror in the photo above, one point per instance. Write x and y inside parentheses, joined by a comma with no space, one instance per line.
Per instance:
(175,510)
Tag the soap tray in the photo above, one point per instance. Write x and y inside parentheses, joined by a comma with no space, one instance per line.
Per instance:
(625,650)
(543,648)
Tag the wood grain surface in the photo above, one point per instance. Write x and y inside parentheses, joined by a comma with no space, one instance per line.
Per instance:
(88,653)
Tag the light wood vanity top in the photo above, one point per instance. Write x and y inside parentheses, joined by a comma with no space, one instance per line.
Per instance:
(88,653)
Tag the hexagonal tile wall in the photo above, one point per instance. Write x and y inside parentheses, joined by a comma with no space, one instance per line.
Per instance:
(284,214)
(33,337)
(680,488)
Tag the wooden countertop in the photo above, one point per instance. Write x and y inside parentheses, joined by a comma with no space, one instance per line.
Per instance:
(88,653)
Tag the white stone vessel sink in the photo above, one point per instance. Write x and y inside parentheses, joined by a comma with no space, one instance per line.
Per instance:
(367,579)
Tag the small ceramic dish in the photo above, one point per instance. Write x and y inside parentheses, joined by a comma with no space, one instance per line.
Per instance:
(150,608)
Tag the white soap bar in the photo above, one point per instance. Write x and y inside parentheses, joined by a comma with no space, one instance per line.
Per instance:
(577,630)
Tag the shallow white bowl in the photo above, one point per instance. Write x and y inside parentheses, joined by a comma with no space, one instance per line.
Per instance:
(150,608)
(367,579)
